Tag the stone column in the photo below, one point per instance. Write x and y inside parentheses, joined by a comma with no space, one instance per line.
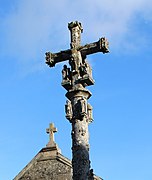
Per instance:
(80,133)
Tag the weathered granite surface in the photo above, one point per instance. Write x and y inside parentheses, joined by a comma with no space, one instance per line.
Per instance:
(48,164)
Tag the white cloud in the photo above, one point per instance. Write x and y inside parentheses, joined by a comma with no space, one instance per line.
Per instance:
(36,26)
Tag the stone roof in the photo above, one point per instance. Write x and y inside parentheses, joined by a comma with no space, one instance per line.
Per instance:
(49,164)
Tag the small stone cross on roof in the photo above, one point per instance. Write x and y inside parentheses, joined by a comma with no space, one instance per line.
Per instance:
(51,130)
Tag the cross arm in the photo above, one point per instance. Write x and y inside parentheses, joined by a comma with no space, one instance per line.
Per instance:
(53,58)
(99,46)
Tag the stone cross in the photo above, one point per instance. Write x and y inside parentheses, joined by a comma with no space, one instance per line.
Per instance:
(78,111)
(51,130)
(76,30)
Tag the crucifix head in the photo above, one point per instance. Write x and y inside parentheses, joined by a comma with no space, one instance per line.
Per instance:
(79,74)
(76,29)
(51,130)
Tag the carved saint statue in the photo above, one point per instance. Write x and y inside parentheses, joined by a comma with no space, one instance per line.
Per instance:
(89,69)
(89,113)
(83,107)
(85,70)
(80,109)
(65,73)
(68,110)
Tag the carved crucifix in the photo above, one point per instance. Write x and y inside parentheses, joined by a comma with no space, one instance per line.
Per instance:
(76,30)
(51,130)
(81,72)
(74,79)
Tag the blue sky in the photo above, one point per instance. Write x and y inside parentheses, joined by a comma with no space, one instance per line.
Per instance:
(31,95)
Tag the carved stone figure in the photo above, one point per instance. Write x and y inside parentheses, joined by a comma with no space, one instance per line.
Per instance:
(68,110)
(83,69)
(89,113)
(75,61)
(66,77)
(85,74)
(88,69)
(80,109)
(65,73)
(76,110)
(83,107)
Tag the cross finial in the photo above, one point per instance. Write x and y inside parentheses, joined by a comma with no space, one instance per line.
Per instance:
(76,29)
(51,130)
